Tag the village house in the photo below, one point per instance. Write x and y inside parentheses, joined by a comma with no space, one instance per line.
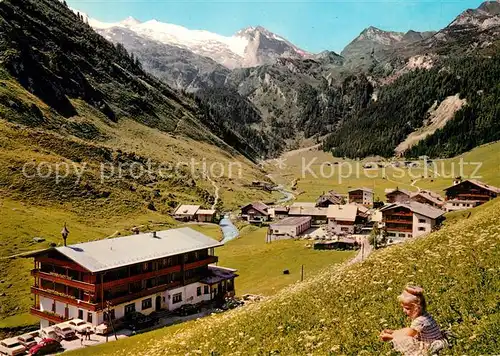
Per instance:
(330,198)
(410,219)
(468,194)
(145,273)
(397,195)
(318,215)
(362,196)
(363,215)
(205,215)
(186,212)
(256,212)
(278,212)
(194,213)
(288,228)
(341,218)
(428,197)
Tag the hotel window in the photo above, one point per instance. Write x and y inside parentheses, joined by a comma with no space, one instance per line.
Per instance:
(89,318)
(177,298)
(53,307)
(421,229)
(80,314)
(147,303)
(205,290)
(198,291)
(421,221)
(145,266)
(130,308)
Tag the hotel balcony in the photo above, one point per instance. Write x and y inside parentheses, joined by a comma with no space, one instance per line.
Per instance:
(398,229)
(143,293)
(141,276)
(158,273)
(205,262)
(397,221)
(52,277)
(47,293)
(46,315)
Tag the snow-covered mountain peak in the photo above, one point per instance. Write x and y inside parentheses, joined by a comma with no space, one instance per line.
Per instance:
(249,47)
(130,21)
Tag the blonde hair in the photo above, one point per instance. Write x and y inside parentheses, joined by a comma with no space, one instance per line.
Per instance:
(413,296)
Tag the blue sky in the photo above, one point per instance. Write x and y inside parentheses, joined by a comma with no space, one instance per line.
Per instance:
(313,25)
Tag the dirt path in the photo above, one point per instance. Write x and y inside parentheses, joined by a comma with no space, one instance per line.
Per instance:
(216,188)
(365,251)
(413,184)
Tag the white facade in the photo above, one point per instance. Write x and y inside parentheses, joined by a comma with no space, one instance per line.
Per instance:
(338,227)
(422,224)
(367,198)
(188,295)
(453,205)
(398,236)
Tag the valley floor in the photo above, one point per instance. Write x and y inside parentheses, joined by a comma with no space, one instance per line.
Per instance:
(343,309)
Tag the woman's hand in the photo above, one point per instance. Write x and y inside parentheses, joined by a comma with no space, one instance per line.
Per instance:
(386,335)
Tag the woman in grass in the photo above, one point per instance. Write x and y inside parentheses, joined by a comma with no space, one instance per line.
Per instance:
(424,336)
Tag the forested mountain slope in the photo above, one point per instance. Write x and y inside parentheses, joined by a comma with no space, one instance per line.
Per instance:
(57,57)
(402,107)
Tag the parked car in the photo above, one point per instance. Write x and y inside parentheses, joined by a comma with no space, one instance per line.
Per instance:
(46,346)
(102,329)
(187,309)
(27,340)
(49,333)
(64,331)
(78,325)
(138,321)
(11,347)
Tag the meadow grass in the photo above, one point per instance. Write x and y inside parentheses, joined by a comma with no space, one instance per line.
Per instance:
(260,265)
(211,230)
(342,310)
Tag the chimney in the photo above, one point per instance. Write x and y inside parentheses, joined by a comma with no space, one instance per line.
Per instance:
(65,233)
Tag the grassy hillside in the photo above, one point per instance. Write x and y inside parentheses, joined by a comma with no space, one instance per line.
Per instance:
(342,311)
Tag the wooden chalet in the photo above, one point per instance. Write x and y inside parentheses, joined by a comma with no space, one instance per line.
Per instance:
(362,196)
(256,212)
(330,198)
(428,197)
(469,193)
(397,195)
(410,219)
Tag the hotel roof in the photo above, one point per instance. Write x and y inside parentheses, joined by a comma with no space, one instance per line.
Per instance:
(205,212)
(298,220)
(418,208)
(259,206)
(343,212)
(307,211)
(390,191)
(479,184)
(364,189)
(101,255)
